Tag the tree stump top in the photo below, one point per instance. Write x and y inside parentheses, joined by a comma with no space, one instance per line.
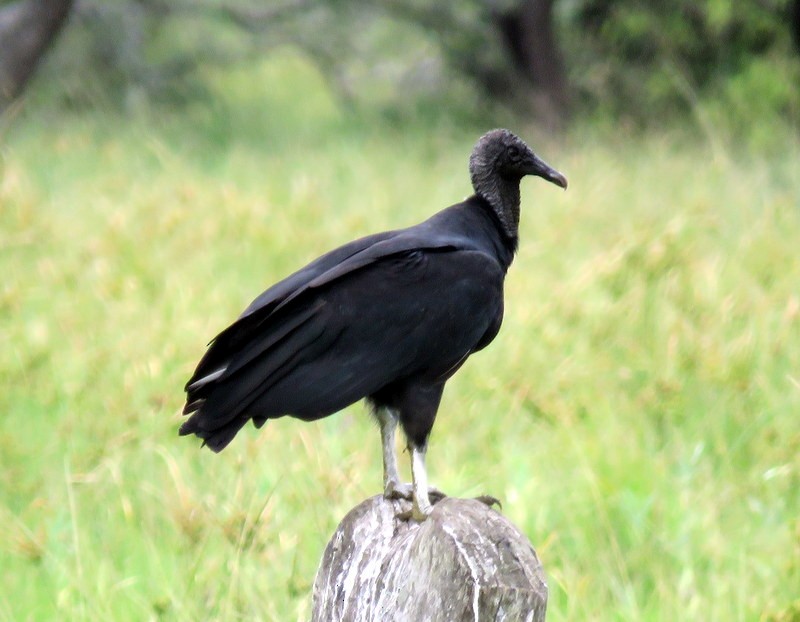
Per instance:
(466,562)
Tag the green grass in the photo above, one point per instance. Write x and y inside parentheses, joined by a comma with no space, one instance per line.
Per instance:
(639,413)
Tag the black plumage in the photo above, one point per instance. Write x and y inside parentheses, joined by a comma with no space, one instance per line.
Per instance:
(389,317)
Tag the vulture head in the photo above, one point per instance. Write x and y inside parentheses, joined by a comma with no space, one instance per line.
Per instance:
(498,162)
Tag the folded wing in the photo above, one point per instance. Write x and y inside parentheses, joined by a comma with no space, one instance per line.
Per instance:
(378,311)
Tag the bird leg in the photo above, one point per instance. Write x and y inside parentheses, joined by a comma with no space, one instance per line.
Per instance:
(393,488)
(421,506)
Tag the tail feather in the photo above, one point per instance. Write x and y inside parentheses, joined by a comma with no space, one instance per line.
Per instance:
(218,399)
(193,406)
(216,440)
(201,382)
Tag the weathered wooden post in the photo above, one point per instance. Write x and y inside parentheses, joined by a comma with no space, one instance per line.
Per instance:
(466,562)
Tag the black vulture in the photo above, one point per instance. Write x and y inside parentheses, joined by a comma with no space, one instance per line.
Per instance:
(389,317)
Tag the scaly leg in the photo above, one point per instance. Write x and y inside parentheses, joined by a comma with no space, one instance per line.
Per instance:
(421,507)
(393,488)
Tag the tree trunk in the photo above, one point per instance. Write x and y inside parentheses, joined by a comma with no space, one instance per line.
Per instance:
(465,562)
(530,39)
(27,28)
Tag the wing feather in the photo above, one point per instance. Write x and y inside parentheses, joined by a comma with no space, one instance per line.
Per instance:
(356,319)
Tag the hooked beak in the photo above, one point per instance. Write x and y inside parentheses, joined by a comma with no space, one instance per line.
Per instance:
(540,168)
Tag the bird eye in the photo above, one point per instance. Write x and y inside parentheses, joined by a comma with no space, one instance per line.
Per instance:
(513,153)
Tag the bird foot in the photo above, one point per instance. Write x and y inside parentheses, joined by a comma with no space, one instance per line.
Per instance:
(419,512)
(416,513)
(396,490)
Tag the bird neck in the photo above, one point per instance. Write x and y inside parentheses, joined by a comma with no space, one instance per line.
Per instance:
(502,194)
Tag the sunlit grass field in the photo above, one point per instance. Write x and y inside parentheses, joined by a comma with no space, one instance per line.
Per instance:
(638,415)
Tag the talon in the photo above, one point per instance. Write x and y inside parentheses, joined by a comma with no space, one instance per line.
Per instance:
(489,500)
(404,516)
(435,495)
(420,511)
(396,490)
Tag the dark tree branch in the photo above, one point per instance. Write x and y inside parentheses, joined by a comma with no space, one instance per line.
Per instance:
(27,29)
(511,54)
(529,36)
(794,23)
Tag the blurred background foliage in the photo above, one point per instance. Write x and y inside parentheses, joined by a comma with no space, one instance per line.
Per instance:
(551,62)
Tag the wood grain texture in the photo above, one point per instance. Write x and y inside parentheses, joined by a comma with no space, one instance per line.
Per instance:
(466,562)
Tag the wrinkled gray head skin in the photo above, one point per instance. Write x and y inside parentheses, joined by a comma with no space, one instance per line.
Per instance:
(497,164)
